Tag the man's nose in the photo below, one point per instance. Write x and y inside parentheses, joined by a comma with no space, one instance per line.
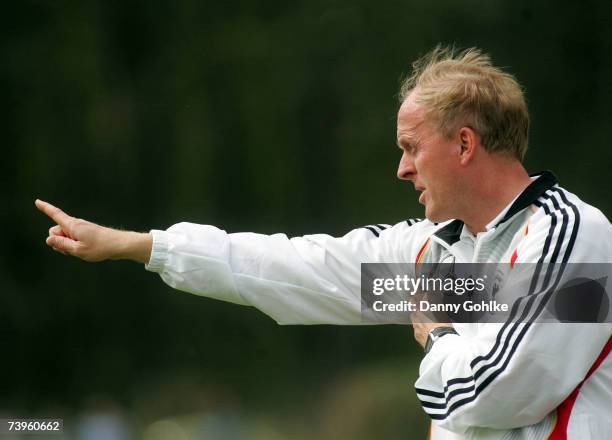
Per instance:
(406,170)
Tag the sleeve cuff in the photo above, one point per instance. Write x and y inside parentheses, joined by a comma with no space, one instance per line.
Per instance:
(444,346)
(159,251)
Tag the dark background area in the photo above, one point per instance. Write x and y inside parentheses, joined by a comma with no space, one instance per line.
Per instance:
(252,116)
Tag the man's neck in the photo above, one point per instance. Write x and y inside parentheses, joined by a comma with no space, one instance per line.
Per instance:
(494,191)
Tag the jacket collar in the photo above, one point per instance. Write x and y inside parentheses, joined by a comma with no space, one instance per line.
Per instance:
(544,181)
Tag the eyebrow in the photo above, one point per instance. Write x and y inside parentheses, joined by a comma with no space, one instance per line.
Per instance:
(409,141)
(399,145)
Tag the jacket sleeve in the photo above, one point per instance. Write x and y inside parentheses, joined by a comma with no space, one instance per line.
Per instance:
(313,279)
(513,374)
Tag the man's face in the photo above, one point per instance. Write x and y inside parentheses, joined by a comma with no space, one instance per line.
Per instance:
(429,161)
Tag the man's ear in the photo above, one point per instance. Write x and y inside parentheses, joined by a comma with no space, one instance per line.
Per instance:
(468,143)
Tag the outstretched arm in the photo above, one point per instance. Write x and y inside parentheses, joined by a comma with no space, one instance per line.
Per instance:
(92,242)
(313,279)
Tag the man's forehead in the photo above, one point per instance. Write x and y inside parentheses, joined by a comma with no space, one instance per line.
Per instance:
(410,116)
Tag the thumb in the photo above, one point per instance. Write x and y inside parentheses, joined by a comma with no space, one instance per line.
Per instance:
(63,244)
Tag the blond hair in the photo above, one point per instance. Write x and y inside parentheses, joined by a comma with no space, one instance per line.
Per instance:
(465,89)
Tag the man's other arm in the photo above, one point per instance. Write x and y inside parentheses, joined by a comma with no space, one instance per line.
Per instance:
(514,374)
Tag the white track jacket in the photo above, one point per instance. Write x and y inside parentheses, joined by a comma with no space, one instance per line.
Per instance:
(516,380)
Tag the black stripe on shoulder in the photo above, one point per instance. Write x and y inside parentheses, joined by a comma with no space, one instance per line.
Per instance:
(574,208)
(373,230)
(377,228)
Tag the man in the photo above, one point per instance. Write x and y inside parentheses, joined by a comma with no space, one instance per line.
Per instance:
(462,128)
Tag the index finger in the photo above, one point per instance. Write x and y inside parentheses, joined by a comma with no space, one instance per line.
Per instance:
(59,216)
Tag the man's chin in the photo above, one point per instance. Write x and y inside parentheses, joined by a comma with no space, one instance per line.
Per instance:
(436,217)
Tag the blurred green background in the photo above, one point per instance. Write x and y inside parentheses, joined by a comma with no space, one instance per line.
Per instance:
(261,116)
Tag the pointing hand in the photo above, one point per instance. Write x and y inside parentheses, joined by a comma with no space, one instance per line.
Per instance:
(91,242)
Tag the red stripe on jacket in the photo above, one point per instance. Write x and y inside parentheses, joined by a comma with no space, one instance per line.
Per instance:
(565,409)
